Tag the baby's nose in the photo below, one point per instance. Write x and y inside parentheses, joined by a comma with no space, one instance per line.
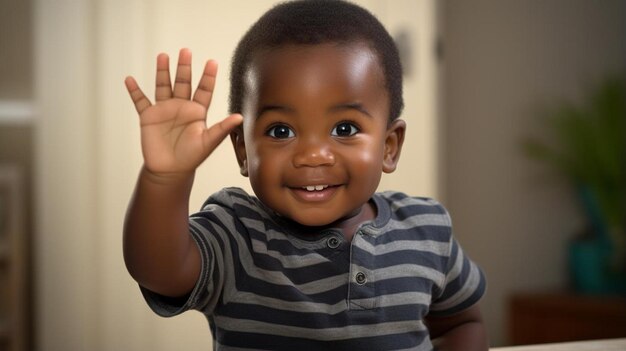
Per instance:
(313,153)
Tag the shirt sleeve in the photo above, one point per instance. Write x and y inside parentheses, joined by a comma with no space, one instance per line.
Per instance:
(464,284)
(210,229)
(203,296)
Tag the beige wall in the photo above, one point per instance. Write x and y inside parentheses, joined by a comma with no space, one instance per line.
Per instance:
(88,152)
(503,60)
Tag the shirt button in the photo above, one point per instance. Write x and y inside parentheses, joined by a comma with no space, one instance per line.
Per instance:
(361,278)
(333,243)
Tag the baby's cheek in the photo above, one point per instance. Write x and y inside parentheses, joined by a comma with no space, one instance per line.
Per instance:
(368,160)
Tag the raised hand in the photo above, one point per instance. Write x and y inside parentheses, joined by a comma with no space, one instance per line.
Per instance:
(174,135)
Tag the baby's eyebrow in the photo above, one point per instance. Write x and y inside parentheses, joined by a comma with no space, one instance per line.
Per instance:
(268,108)
(351,106)
(357,106)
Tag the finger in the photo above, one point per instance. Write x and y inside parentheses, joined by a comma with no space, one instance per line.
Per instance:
(163,89)
(214,135)
(182,84)
(139,98)
(204,92)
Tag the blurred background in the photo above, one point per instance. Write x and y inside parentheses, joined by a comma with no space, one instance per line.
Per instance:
(478,75)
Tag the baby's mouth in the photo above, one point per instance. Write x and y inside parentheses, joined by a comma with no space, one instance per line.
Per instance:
(315,193)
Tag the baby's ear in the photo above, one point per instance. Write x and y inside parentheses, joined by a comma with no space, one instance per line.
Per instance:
(393,145)
(239,144)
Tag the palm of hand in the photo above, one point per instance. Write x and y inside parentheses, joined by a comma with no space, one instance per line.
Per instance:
(174,136)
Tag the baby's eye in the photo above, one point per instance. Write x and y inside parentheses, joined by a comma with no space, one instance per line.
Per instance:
(345,129)
(280,131)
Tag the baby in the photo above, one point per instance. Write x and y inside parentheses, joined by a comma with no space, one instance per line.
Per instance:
(317,259)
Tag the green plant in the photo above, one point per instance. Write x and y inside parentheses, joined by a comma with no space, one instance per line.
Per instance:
(588,147)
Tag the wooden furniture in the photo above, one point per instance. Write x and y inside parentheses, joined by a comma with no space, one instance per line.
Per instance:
(13,289)
(560,317)
(596,345)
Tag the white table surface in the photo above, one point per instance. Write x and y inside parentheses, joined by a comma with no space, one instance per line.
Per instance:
(594,345)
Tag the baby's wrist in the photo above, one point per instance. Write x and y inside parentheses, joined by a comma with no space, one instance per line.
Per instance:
(167,178)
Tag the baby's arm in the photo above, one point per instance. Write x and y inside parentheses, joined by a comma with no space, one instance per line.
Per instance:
(158,251)
(463,331)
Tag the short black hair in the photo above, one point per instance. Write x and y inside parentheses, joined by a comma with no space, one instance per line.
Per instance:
(310,22)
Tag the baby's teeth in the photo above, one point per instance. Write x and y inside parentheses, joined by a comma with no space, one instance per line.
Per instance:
(315,187)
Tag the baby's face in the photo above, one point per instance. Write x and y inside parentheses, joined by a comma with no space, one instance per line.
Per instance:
(315,131)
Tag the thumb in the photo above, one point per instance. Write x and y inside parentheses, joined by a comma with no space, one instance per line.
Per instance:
(214,135)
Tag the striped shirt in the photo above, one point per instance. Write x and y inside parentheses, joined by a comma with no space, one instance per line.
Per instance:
(265,286)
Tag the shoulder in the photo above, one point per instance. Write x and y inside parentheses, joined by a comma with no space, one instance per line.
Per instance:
(410,218)
(229,198)
(228,203)
(403,206)
(233,200)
